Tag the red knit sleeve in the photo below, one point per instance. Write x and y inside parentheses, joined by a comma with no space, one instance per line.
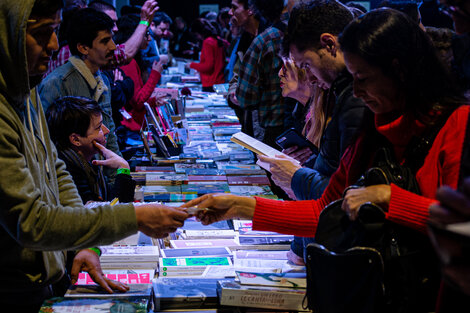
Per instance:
(408,209)
(142,95)
(206,64)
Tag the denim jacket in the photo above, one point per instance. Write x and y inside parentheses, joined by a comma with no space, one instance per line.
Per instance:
(67,80)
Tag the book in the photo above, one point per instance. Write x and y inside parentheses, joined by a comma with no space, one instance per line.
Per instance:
(192,224)
(184,293)
(248,180)
(196,252)
(209,234)
(265,240)
(179,244)
(289,280)
(130,254)
(137,239)
(250,190)
(204,188)
(89,305)
(234,294)
(206,178)
(123,276)
(165,179)
(260,254)
(255,145)
(96,291)
(139,169)
(190,265)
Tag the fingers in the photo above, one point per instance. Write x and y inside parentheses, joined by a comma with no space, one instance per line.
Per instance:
(99,278)
(195,202)
(76,269)
(289,150)
(99,146)
(454,200)
(115,285)
(267,159)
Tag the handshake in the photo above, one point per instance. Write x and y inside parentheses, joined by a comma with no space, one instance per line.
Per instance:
(157,220)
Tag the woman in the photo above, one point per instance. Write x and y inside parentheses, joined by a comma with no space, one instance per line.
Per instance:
(401,79)
(142,92)
(212,62)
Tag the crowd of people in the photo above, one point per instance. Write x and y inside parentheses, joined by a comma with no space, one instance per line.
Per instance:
(74,79)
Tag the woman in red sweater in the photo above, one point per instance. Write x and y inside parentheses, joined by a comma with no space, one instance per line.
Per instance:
(400,77)
(212,61)
(142,92)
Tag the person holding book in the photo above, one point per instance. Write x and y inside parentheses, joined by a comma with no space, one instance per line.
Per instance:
(77,130)
(408,98)
(42,214)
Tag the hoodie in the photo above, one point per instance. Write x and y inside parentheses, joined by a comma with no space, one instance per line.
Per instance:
(41,213)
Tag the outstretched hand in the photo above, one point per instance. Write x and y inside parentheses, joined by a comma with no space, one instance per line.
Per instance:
(111,159)
(157,220)
(148,10)
(87,260)
(222,206)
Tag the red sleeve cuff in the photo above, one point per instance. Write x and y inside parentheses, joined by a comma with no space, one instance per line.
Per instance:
(408,209)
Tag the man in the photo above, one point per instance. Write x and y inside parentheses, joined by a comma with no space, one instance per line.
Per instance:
(90,41)
(258,85)
(41,211)
(124,52)
(312,40)
(159,31)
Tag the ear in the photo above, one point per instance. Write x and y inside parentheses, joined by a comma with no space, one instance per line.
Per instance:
(83,49)
(330,43)
(74,139)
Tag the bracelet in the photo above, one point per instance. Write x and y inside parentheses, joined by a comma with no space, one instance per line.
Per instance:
(125,171)
(97,250)
(146,23)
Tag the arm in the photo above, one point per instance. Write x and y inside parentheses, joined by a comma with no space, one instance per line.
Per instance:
(134,42)
(142,95)
(206,65)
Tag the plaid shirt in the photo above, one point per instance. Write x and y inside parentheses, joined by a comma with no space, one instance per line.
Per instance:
(64,54)
(259,83)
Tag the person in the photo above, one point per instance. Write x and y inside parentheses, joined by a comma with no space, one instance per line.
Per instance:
(42,213)
(182,44)
(159,31)
(142,92)
(258,83)
(77,130)
(212,60)
(124,52)
(90,41)
(385,73)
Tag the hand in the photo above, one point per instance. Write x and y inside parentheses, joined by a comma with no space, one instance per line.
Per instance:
(354,198)
(148,10)
(300,87)
(454,206)
(294,258)
(164,58)
(156,220)
(301,155)
(117,75)
(282,168)
(88,261)
(187,66)
(157,66)
(112,160)
(222,206)
(233,98)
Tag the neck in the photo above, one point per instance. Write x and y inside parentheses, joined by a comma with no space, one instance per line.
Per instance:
(252,26)
(92,67)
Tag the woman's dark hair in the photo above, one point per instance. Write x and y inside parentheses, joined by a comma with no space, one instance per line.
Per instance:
(68,115)
(390,40)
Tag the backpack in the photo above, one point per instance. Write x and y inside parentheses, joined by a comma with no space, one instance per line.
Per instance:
(371,264)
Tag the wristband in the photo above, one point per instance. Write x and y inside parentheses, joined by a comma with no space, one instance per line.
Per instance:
(97,250)
(125,171)
(146,23)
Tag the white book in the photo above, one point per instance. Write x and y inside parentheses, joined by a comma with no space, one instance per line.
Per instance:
(129,266)
(178,244)
(128,253)
(209,234)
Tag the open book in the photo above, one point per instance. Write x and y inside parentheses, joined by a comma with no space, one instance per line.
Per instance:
(257,147)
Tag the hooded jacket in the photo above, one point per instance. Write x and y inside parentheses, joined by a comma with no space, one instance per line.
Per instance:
(41,212)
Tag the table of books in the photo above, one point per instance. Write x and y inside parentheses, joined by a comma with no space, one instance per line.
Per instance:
(223,267)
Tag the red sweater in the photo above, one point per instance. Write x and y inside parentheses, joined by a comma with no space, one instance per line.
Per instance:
(212,63)
(142,93)
(441,167)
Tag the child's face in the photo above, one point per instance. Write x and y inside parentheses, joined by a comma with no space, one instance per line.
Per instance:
(97,131)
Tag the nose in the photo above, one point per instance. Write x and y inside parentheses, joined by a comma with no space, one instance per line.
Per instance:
(113,45)
(104,129)
(53,43)
(358,91)
(115,28)
(230,12)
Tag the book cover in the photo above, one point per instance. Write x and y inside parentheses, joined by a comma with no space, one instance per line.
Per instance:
(244,172)
(184,293)
(193,224)
(208,178)
(248,180)
(203,172)
(96,291)
(123,276)
(62,305)
(209,234)
(262,240)
(129,254)
(192,263)
(288,280)
(154,169)
(165,179)
(179,244)
(216,251)
(170,197)
(238,167)
(234,294)
(250,190)
(258,254)
(204,188)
